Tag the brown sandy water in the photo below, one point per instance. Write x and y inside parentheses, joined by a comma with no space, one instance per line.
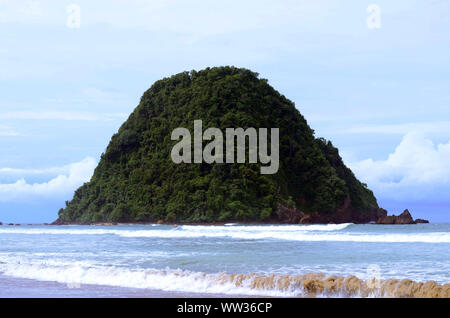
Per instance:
(322,285)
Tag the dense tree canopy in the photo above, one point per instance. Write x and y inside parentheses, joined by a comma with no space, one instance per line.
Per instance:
(136,179)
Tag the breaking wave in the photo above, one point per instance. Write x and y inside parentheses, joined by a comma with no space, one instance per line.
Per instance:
(315,233)
(273,228)
(307,285)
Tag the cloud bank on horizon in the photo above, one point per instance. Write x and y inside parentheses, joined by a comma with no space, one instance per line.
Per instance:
(418,170)
(381,95)
(62,186)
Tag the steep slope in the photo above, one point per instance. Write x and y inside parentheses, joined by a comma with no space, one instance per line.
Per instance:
(136,179)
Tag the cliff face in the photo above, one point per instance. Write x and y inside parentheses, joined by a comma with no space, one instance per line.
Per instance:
(137,181)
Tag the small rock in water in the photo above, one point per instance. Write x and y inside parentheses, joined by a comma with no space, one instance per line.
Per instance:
(404,218)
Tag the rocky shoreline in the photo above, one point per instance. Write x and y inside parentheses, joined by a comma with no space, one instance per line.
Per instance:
(346,215)
(288,215)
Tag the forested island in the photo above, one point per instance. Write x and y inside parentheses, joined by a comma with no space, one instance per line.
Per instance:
(136,180)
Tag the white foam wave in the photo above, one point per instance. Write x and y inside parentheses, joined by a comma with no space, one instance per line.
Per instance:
(166,280)
(312,233)
(298,236)
(58,231)
(272,228)
(306,285)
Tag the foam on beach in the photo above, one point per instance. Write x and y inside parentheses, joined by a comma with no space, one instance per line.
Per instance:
(305,285)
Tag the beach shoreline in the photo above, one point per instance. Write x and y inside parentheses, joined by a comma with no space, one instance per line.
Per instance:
(314,285)
(15,287)
(348,260)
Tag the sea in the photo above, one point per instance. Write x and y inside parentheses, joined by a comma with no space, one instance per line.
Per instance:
(231,260)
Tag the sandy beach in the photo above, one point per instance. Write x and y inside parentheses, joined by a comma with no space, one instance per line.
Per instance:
(13,287)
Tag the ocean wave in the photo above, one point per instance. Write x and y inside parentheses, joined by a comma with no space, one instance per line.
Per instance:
(57,231)
(297,236)
(272,228)
(307,285)
(307,233)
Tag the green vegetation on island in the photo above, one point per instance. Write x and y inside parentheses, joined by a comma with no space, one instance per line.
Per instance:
(136,180)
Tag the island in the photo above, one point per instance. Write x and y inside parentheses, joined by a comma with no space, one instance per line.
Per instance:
(136,180)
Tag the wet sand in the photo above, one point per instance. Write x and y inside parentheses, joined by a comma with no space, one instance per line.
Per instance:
(12,287)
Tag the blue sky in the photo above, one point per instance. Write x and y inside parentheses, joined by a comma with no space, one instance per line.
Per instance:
(380,94)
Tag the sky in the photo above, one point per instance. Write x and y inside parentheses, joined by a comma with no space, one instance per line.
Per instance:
(371,76)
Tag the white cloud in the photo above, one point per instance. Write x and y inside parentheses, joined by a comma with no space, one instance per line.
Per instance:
(196,16)
(91,95)
(203,17)
(417,170)
(423,127)
(29,172)
(21,11)
(61,115)
(61,186)
(8,131)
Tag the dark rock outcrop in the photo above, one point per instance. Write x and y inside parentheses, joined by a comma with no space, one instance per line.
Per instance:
(404,218)
(345,214)
(58,222)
